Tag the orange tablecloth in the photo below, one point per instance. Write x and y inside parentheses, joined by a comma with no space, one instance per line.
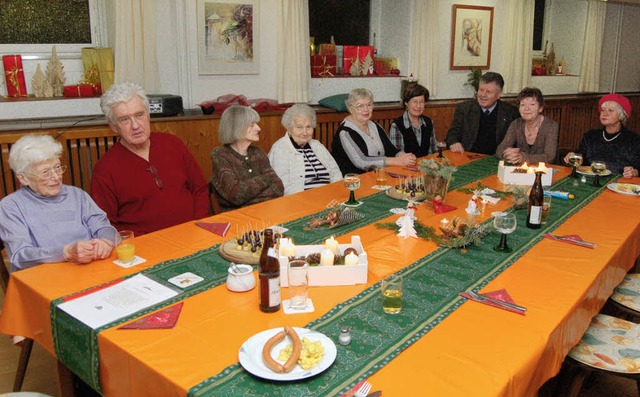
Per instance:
(477,350)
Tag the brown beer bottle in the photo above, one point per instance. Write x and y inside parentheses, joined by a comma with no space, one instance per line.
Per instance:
(536,200)
(269,275)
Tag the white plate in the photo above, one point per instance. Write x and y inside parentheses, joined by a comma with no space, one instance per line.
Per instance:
(625,188)
(587,171)
(250,354)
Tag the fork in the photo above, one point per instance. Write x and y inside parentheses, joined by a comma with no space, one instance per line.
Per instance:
(363,390)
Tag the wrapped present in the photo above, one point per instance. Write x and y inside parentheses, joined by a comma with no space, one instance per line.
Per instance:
(14,75)
(323,65)
(327,49)
(383,66)
(361,57)
(98,67)
(79,90)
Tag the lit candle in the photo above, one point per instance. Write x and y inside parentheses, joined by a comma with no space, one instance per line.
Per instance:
(351,259)
(332,245)
(444,222)
(326,257)
(288,249)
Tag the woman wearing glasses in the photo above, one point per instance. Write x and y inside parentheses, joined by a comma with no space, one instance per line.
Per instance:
(44,220)
(359,143)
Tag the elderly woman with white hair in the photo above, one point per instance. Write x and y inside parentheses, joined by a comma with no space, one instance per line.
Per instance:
(300,161)
(44,220)
(359,143)
(242,174)
(614,144)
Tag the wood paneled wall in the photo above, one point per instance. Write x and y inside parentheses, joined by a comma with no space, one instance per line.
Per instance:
(83,146)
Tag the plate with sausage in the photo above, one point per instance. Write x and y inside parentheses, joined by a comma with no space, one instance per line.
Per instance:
(259,354)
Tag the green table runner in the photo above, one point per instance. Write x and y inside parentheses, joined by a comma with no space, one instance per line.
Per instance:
(431,287)
(76,344)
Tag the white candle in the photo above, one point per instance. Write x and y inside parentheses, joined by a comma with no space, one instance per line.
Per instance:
(326,257)
(287,248)
(351,259)
(444,222)
(332,245)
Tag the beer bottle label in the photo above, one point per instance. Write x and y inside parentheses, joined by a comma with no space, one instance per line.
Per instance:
(274,291)
(272,253)
(536,215)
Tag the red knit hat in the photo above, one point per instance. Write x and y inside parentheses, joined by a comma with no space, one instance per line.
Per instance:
(619,99)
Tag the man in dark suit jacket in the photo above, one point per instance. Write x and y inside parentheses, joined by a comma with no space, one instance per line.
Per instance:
(480,124)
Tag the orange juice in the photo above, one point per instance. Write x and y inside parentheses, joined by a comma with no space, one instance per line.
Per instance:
(126,252)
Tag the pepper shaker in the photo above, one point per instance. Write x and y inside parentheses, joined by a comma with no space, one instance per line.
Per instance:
(345,337)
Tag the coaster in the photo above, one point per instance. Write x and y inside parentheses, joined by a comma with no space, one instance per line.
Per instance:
(286,305)
(380,187)
(185,280)
(135,262)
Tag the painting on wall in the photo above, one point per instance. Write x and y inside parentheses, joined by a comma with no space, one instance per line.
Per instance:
(228,37)
(471,31)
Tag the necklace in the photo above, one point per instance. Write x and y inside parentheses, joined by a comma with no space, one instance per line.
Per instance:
(604,136)
(532,129)
(374,141)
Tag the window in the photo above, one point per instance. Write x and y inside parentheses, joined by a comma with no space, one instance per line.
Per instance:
(346,21)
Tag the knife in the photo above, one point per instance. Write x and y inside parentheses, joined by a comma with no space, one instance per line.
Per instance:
(375,393)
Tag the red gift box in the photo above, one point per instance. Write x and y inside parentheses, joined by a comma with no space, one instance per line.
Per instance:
(323,65)
(79,90)
(354,53)
(14,75)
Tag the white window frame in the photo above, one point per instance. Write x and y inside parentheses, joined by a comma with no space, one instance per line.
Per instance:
(545,29)
(98,21)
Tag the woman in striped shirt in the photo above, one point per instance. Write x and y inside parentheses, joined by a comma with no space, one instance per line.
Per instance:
(300,161)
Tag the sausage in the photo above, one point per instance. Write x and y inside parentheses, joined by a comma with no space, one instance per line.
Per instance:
(297,348)
(266,353)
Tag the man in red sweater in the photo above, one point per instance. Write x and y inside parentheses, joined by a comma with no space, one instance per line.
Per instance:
(146,181)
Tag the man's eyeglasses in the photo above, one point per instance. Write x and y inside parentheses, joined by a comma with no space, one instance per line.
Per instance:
(154,171)
(126,120)
(47,174)
(361,107)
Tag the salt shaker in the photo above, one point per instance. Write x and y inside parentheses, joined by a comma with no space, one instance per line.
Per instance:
(583,179)
(345,336)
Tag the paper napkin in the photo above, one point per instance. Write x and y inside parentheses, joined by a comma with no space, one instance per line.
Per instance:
(501,295)
(441,208)
(573,239)
(220,229)
(164,319)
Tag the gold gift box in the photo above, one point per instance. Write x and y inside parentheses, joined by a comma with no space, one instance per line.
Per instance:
(98,66)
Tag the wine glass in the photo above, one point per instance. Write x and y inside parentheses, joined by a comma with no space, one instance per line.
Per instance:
(598,167)
(352,182)
(504,223)
(441,146)
(575,160)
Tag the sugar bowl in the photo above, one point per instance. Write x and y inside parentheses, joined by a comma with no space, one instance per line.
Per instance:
(240,278)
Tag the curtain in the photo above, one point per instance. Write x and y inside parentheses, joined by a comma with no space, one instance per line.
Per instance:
(594,31)
(293,66)
(135,43)
(424,48)
(518,39)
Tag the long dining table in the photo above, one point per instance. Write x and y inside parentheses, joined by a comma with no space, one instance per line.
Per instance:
(439,345)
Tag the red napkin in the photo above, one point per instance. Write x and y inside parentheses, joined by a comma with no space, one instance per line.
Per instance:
(220,229)
(164,319)
(475,156)
(350,392)
(394,175)
(572,239)
(501,295)
(440,208)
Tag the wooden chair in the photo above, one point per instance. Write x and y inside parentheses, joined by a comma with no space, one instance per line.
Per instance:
(214,207)
(27,344)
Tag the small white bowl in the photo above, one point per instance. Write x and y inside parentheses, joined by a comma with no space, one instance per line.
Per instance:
(241,278)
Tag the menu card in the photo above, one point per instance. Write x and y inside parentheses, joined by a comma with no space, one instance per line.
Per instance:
(117,301)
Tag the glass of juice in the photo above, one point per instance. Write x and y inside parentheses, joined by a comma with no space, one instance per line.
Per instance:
(125,247)
(392,294)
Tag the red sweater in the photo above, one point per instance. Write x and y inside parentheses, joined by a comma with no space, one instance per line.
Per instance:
(125,188)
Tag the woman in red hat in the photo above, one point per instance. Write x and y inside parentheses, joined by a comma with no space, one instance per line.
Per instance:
(614,144)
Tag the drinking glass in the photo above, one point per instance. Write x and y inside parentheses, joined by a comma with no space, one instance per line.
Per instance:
(504,223)
(381,177)
(575,160)
(392,294)
(352,182)
(598,167)
(546,207)
(441,146)
(298,275)
(125,247)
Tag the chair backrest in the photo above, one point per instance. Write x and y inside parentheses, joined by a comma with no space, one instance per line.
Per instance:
(4,271)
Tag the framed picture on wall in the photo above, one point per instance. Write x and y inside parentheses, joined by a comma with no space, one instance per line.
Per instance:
(228,36)
(471,32)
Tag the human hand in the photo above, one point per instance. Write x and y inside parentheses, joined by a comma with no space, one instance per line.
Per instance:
(513,155)
(566,158)
(79,252)
(629,172)
(102,248)
(457,148)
